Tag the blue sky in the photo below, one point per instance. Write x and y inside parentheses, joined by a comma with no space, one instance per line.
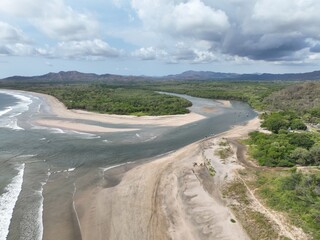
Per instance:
(158,37)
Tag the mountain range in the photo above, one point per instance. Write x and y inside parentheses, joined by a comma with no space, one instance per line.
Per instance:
(74,76)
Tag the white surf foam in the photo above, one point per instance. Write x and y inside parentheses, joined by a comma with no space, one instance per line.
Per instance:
(40,212)
(86,135)
(8,201)
(20,107)
(114,166)
(3,112)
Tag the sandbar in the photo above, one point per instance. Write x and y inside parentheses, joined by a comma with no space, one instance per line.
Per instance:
(59,109)
(70,125)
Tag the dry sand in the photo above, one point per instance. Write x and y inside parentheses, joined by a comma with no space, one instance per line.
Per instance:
(170,120)
(167,198)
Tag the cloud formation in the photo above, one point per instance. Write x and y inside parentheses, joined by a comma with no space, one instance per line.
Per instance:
(268,30)
(172,31)
(86,50)
(54,18)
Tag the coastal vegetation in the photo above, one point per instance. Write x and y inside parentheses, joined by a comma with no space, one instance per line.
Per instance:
(284,149)
(116,100)
(295,193)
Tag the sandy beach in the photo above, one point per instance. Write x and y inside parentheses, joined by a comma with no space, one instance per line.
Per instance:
(61,111)
(168,198)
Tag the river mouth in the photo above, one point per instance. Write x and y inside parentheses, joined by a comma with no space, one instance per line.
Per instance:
(58,163)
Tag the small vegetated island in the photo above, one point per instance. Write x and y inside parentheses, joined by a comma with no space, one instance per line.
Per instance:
(289,154)
(116,100)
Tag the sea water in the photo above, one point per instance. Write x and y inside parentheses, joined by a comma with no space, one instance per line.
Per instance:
(42,168)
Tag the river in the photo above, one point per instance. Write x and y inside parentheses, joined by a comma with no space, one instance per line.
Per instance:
(40,166)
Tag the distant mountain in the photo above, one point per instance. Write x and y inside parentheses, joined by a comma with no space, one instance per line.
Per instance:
(200,75)
(74,76)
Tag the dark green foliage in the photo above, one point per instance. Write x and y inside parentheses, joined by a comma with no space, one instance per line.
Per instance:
(297,124)
(315,154)
(116,100)
(301,156)
(283,120)
(296,194)
(303,140)
(284,149)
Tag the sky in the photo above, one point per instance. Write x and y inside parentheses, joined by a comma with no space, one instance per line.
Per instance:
(158,37)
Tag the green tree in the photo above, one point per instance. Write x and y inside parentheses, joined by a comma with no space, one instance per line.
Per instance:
(301,140)
(301,156)
(298,124)
(315,154)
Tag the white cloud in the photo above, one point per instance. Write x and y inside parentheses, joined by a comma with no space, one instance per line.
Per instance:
(10,34)
(195,19)
(181,52)
(174,31)
(13,41)
(88,49)
(150,53)
(17,49)
(54,18)
(179,18)
(285,15)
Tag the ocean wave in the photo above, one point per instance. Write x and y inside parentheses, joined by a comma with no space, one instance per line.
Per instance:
(8,201)
(114,166)
(86,135)
(3,112)
(40,212)
(11,121)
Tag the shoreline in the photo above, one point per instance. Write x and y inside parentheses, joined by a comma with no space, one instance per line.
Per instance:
(151,200)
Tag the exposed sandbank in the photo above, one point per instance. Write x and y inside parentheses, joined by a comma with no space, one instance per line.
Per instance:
(225,103)
(170,120)
(69,125)
(167,198)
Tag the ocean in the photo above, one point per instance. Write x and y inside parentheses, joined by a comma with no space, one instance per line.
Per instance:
(41,168)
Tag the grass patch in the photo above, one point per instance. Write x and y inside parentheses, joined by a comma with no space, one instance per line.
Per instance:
(255,223)
(210,168)
(295,193)
(225,151)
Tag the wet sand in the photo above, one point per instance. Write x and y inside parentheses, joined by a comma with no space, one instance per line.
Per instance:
(71,125)
(167,198)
